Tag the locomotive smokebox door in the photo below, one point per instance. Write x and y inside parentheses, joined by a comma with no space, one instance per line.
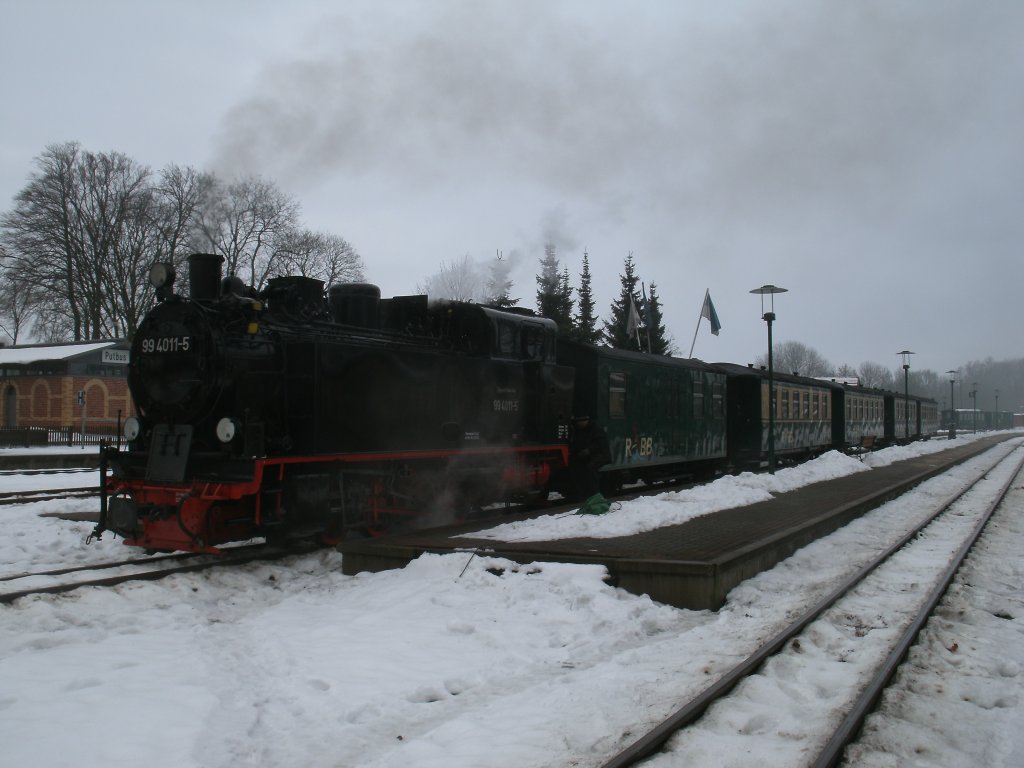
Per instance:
(168,453)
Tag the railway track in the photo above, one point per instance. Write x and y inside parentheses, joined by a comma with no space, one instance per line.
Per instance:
(26,497)
(90,486)
(60,580)
(671,735)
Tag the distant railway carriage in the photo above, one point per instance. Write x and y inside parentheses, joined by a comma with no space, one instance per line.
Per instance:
(929,415)
(919,415)
(664,416)
(968,420)
(803,415)
(860,414)
(902,417)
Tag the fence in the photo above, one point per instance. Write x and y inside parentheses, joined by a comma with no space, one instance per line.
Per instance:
(35,437)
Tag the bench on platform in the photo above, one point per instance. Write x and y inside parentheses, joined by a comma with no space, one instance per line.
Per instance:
(866,445)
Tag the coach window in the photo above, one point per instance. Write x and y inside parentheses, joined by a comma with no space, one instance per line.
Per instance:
(718,399)
(698,398)
(617,395)
(784,404)
(807,405)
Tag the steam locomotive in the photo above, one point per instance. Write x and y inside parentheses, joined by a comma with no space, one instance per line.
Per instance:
(284,414)
(294,413)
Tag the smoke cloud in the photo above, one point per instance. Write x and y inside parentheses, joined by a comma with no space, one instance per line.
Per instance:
(757,106)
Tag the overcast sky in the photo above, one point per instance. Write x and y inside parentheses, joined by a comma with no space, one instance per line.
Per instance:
(868,156)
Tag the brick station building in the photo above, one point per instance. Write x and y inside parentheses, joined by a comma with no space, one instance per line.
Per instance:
(80,387)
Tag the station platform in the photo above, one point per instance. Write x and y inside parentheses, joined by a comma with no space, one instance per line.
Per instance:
(15,459)
(693,564)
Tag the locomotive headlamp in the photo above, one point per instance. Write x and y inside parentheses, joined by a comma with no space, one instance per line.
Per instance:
(131,428)
(161,275)
(227,428)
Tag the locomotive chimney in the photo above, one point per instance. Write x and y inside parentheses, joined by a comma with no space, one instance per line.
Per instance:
(204,276)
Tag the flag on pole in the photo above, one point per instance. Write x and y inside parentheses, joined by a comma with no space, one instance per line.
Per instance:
(648,312)
(633,320)
(708,311)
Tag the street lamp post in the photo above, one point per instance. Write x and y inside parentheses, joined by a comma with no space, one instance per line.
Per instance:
(952,406)
(906,353)
(769,318)
(974,405)
(997,406)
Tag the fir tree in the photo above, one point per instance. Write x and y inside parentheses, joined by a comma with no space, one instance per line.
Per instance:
(584,324)
(565,302)
(661,344)
(615,329)
(499,284)
(554,297)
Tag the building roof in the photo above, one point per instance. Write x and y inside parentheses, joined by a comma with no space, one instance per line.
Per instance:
(34,353)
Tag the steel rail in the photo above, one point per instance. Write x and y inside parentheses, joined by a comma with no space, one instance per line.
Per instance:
(27,497)
(122,563)
(870,695)
(153,575)
(654,740)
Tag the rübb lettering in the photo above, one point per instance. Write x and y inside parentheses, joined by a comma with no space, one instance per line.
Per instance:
(642,446)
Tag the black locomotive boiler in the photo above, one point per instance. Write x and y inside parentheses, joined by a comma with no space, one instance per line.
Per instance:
(288,413)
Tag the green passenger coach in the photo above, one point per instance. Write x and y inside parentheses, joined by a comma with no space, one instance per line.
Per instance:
(664,416)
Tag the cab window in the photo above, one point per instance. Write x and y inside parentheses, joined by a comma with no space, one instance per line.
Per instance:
(617,395)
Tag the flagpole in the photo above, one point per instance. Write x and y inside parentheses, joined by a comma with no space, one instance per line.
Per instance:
(707,293)
(647,315)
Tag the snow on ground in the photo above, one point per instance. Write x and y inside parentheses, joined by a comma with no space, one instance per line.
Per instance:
(674,507)
(460,661)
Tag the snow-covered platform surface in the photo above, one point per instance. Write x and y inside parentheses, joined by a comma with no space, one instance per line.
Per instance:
(690,548)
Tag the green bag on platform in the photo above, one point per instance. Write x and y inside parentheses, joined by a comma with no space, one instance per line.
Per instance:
(595,505)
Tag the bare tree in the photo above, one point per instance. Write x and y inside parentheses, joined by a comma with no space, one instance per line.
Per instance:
(115,199)
(76,249)
(875,375)
(18,302)
(325,257)
(458,279)
(42,239)
(846,371)
(794,357)
(245,222)
(68,236)
(178,195)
